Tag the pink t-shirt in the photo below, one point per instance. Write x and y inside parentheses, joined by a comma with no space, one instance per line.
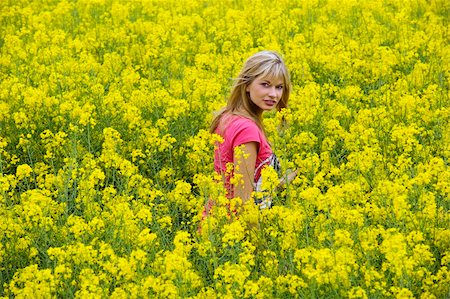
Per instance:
(237,130)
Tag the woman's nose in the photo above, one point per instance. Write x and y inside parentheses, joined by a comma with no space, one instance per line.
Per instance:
(273,91)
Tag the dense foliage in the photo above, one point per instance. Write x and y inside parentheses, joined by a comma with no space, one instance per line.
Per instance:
(106,159)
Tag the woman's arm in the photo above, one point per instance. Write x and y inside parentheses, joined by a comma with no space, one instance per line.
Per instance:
(288,177)
(245,169)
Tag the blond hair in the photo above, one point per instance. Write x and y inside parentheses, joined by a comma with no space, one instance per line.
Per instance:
(264,64)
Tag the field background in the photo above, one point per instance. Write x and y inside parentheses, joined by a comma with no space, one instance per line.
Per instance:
(106,159)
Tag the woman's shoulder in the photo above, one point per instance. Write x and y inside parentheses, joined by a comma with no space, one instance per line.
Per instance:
(242,129)
(233,120)
(232,125)
(242,121)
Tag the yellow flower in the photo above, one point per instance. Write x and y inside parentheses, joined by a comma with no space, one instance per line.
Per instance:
(89,284)
(165,222)
(402,293)
(77,226)
(233,233)
(23,171)
(270,179)
(181,195)
(22,120)
(37,209)
(357,292)
(31,282)
(182,242)
(4,110)
(290,283)
(146,238)
(232,274)
(342,238)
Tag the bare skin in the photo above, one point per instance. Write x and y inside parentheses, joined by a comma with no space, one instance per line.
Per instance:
(246,170)
(264,93)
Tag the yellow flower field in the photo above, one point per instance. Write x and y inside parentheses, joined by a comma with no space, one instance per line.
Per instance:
(106,160)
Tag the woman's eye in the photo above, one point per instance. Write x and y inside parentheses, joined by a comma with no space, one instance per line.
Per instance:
(280,87)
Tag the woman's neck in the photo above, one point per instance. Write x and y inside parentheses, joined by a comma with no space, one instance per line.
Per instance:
(246,113)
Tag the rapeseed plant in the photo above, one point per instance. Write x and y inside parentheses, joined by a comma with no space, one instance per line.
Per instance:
(106,164)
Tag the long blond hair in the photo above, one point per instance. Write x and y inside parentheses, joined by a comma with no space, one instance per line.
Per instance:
(264,64)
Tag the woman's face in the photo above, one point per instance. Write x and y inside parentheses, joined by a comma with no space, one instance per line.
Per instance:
(265,93)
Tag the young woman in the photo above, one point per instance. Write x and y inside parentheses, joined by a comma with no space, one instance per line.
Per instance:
(262,85)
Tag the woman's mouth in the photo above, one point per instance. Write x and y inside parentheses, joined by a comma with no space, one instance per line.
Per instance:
(270,103)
